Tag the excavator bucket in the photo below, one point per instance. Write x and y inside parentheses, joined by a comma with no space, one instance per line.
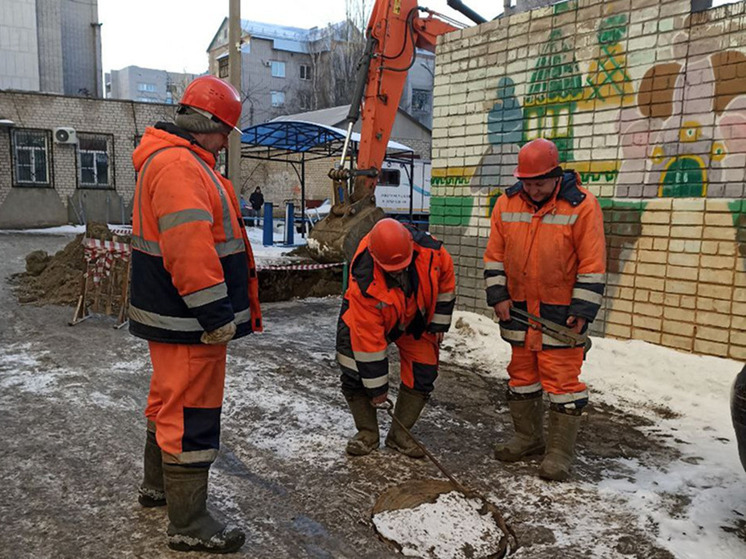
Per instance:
(335,238)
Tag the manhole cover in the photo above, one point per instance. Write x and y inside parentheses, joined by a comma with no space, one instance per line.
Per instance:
(429,519)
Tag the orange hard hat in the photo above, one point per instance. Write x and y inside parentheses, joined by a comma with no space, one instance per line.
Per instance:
(217,98)
(391,245)
(537,158)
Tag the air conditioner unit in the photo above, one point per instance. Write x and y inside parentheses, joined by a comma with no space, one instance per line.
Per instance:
(65,135)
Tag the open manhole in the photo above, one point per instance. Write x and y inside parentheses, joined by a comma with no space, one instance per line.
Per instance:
(430,519)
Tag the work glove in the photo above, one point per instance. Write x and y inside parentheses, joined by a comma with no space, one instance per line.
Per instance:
(220,335)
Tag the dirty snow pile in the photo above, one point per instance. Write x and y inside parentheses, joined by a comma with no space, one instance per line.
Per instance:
(642,379)
(449,528)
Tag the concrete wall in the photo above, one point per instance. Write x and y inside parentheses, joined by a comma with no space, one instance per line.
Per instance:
(19,51)
(48,20)
(124,84)
(647,101)
(66,200)
(81,49)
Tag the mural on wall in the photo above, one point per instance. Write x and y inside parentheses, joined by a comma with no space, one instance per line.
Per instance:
(690,125)
(554,89)
(608,80)
(681,134)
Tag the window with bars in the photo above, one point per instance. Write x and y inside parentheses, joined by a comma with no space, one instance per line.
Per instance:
(305,72)
(31,157)
(93,161)
(421,100)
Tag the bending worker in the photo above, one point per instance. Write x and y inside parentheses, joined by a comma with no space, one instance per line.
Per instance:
(546,255)
(401,290)
(194,288)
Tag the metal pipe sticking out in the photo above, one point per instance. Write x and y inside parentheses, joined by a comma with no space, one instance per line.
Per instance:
(347,144)
(460,7)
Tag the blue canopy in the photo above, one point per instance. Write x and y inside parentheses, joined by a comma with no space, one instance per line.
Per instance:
(294,136)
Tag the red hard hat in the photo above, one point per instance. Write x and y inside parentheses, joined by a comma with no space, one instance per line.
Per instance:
(216,97)
(538,157)
(391,245)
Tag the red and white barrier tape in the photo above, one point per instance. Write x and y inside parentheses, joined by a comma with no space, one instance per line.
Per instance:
(300,266)
(100,256)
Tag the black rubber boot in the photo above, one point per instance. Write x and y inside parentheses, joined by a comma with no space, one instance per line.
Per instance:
(409,404)
(527,411)
(366,439)
(151,492)
(191,527)
(563,432)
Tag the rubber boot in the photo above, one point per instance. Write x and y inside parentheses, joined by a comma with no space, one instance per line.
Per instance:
(151,492)
(409,405)
(527,411)
(563,431)
(191,527)
(366,439)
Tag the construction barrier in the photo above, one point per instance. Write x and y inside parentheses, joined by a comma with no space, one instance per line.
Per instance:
(106,262)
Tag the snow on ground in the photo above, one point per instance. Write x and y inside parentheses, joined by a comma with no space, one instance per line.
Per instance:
(451,527)
(693,392)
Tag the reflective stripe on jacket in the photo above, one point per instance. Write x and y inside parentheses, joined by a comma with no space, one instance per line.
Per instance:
(549,261)
(192,265)
(375,312)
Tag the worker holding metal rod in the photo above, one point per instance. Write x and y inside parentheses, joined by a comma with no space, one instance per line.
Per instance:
(545,273)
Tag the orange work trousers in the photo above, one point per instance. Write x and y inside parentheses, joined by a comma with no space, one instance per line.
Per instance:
(419,361)
(557,371)
(185,400)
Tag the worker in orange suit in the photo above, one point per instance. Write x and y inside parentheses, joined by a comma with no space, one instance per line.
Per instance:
(194,288)
(401,290)
(546,255)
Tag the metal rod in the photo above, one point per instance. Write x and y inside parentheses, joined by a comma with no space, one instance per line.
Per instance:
(347,144)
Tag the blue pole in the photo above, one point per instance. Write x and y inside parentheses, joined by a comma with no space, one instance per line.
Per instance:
(289,223)
(268,224)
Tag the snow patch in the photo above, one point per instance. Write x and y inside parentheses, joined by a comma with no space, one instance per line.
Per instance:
(449,528)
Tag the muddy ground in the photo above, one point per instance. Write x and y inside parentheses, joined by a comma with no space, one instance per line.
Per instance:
(72,433)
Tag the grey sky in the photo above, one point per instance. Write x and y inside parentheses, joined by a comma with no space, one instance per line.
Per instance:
(174,34)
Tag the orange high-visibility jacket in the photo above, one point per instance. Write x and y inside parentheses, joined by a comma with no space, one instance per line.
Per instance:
(375,313)
(550,261)
(192,265)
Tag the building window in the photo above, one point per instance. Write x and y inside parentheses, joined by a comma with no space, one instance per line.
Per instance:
(305,72)
(146,100)
(421,100)
(389,177)
(278,98)
(149,87)
(93,161)
(223,67)
(31,157)
(278,69)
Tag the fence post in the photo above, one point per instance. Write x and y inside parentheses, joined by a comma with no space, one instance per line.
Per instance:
(289,223)
(268,225)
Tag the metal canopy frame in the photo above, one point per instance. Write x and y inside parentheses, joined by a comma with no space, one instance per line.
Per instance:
(298,142)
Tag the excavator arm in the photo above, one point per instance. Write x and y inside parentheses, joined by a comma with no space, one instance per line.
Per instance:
(395,30)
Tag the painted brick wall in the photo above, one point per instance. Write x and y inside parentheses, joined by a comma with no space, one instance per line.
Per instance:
(647,101)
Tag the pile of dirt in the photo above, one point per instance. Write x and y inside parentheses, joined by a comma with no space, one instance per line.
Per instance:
(56,280)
